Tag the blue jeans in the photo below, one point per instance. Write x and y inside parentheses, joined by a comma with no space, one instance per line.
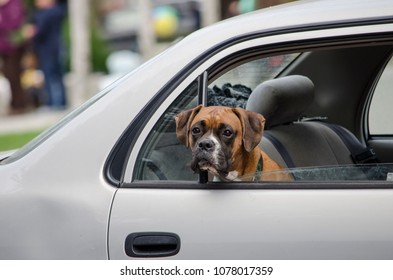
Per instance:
(53,75)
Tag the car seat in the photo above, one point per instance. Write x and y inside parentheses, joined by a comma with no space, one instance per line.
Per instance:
(295,141)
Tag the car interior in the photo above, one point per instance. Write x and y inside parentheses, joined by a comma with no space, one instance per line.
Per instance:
(283,102)
(293,140)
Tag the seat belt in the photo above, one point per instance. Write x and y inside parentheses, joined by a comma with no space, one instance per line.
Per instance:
(360,153)
(280,148)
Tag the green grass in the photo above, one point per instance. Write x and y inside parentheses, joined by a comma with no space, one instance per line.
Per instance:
(16,140)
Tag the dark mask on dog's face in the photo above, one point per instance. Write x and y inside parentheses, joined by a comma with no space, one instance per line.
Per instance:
(212,145)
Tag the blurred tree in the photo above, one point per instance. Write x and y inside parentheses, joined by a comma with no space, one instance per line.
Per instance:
(228,6)
(99,50)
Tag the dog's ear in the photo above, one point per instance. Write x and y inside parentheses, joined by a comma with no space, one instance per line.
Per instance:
(183,123)
(252,124)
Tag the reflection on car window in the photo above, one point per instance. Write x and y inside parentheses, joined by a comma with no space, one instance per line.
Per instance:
(351,172)
(235,86)
(163,157)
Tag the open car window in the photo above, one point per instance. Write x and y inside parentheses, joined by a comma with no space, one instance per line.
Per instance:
(318,148)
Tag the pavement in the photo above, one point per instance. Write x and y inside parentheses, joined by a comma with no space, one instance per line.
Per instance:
(44,117)
(39,119)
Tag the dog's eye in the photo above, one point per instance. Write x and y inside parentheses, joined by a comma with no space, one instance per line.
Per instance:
(196,130)
(227,133)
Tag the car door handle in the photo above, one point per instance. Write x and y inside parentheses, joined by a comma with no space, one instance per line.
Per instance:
(152,244)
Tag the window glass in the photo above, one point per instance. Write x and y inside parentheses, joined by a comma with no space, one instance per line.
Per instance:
(350,172)
(235,86)
(381,112)
(163,157)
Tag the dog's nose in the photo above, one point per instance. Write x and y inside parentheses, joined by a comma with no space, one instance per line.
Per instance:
(207,145)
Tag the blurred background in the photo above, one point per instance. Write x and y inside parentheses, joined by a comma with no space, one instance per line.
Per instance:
(65,51)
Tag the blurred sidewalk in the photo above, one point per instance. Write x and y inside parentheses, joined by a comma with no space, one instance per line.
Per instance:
(43,118)
(33,121)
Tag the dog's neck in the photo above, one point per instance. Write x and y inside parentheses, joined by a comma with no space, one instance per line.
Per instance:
(244,169)
(243,166)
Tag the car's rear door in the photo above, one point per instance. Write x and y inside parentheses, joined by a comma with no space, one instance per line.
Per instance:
(255,221)
(160,210)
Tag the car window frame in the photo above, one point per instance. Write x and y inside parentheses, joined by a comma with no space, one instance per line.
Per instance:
(274,48)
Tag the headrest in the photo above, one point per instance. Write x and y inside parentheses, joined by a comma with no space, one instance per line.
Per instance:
(282,100)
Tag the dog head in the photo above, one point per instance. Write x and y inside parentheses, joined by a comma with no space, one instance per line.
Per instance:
(220,138)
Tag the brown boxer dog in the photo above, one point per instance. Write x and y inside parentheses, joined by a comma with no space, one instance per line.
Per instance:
(224,141)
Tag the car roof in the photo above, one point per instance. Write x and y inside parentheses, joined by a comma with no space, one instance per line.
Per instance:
(306,12)
(299,13)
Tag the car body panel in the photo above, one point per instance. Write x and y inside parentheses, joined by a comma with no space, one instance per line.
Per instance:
(342,234)
(45,213)
(54,200)
(5,154)
(259,224)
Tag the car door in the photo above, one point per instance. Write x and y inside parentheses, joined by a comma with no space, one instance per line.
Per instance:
(162,209)
(280,221)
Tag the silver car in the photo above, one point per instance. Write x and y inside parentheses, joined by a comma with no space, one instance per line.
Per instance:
(112,181)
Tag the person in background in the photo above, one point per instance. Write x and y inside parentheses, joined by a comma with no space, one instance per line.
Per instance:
(32,79)
(12,43)
(46,32)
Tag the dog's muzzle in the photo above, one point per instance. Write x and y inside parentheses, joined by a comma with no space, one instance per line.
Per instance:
(207,155)
(206,145)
